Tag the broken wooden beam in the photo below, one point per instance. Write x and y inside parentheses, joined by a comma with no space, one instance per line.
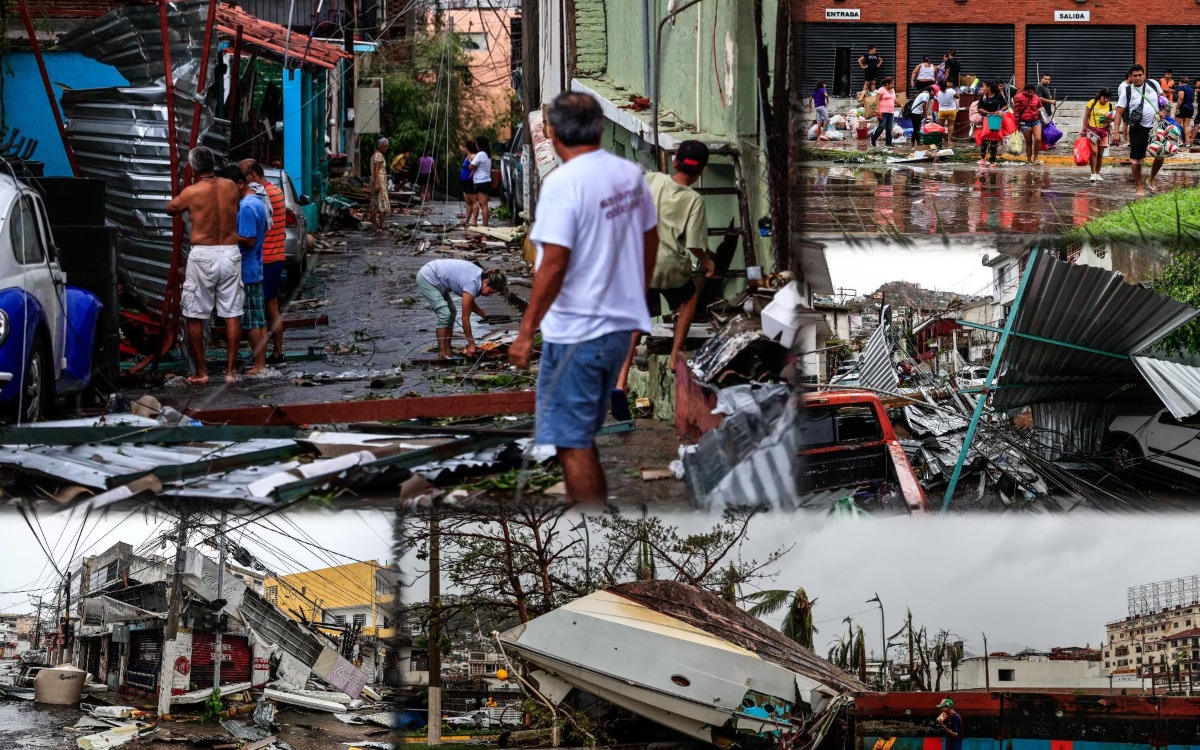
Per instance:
(413,407)
(122,434)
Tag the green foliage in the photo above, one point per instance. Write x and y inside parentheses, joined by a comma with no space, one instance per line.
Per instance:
(421,96)
(1163,218)
(212,708)
(1180,280)
(798,623)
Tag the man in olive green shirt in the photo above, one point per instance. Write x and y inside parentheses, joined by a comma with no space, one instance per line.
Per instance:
(682,243)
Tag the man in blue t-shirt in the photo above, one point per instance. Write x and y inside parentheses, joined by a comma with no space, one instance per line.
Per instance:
(251,229)
(951,724)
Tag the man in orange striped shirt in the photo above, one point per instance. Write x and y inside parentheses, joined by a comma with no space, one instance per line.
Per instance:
(273,257)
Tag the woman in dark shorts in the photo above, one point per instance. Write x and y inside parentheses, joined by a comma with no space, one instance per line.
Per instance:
(466,182)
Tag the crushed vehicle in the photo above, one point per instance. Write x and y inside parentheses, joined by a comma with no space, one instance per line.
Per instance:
(47,328)
(687,660)
(1160,438)
(847,444)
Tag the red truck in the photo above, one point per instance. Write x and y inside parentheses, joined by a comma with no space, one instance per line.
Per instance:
(847,443)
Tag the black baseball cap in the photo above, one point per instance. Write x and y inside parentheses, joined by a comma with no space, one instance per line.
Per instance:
(691,157)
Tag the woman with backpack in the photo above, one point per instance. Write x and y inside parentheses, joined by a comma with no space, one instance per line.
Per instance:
(1027,106)
(991,106)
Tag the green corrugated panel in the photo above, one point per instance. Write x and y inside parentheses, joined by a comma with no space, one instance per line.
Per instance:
(266,72)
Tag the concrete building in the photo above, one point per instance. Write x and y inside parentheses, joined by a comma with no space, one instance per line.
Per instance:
(1031,671)
(490,30)
(361,594)
(709,90)
(1158,632)
(1028,38)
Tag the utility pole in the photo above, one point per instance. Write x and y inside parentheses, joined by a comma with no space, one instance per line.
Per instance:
(172,628)
(435,628)
(37,625)
(220,596)
(66,625)
(987,672)
(883,639)
(349,87)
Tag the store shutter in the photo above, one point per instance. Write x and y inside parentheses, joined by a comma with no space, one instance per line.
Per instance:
(1080,59)
(145,657)
(1174,47)
(987,50)
(236,663)
(819,43)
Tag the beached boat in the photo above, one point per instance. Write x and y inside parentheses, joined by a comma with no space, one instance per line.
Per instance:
(684,659)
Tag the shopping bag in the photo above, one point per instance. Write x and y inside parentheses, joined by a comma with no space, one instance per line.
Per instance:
(1016,144)
(1051,134)
(1082,150)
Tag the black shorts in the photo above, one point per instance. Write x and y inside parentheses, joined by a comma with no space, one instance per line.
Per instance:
(869,76)
(1139,139)
(468,186)
(1185,113)
(675,297)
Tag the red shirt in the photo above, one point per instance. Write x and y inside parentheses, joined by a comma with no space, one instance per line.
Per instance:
(273,243)
(1027,107)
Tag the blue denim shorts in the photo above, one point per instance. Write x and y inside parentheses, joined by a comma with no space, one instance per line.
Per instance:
(575,382)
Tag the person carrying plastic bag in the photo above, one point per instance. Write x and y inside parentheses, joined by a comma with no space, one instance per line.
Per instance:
(996,123)
(1097,119)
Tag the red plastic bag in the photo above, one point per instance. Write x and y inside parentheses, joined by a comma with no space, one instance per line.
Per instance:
(1082,150)
(1010,124)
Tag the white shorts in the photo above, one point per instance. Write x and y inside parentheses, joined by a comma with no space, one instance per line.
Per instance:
(213,279)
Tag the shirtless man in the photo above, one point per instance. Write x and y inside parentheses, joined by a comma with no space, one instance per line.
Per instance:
(214,266)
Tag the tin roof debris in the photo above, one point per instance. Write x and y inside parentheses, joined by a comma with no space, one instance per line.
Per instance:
(120,135)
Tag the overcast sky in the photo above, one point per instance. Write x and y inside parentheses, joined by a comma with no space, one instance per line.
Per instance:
(361,535)
(865,267)
(1027,581)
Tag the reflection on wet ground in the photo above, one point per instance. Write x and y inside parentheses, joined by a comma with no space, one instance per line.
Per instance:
(27,724)
(956,199)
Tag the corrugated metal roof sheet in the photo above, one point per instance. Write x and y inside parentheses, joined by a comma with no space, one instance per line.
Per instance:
(120,134)
(876,370)
(1177,385)
(1088,307)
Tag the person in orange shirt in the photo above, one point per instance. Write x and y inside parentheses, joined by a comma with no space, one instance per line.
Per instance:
(273,257)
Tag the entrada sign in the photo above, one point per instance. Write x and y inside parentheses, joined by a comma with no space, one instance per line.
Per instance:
(1078,16)
(843,14)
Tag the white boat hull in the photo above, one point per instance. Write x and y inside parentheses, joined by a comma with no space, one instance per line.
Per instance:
(663,669)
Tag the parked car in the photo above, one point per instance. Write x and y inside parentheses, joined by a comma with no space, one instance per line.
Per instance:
(1160,439)
(47,329)
(512,174)
(472,719)
(972,376)
(847,442)
(295,263)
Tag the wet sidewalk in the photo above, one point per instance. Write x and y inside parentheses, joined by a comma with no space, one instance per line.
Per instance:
(948,199)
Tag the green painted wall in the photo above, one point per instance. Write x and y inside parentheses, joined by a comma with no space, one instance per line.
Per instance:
(699,98)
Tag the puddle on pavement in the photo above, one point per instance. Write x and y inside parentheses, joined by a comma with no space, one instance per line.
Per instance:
(26,724)
(958,199)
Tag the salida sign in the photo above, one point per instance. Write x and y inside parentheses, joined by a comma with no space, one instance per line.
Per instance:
(1077,16)
(843,14)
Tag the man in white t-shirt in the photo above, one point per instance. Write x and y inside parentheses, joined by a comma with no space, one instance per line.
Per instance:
(1139,97)
(597,239)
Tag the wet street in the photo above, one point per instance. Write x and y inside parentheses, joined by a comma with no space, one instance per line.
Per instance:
(378,324)
(24,724)
(916,199)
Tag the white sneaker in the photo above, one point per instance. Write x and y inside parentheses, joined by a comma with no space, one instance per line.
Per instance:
(1099,178)
(1092,177)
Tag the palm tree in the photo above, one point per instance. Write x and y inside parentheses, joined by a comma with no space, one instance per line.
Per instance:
(798,622)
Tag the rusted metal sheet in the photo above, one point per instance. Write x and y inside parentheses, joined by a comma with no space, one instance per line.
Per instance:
(429,407)
(694,405)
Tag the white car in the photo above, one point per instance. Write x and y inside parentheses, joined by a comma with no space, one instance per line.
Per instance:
(472,720)
(47,328)
(973,376)
(1160,438)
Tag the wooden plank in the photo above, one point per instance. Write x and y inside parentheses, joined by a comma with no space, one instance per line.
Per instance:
(428,407)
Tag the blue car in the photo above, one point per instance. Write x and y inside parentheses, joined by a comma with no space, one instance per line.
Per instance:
(47,328)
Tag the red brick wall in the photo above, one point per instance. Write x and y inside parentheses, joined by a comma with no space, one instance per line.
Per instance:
(1038,12)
